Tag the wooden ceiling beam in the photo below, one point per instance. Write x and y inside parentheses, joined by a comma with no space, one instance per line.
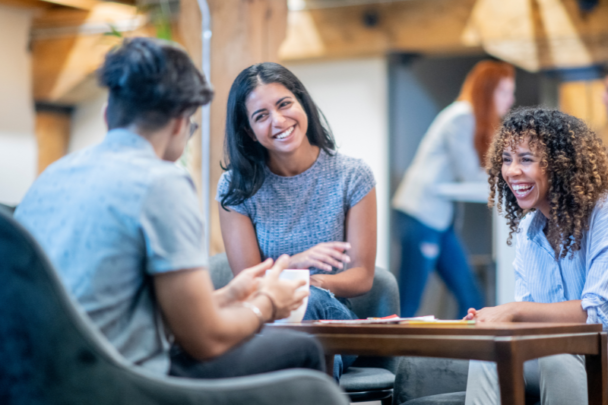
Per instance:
(541,34)
(35,4)
(376,29)
(103,13)
(63,64)
(532,34)
(79,4)
(75,4)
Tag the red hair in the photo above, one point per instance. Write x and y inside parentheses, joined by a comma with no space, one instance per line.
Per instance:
(478,89)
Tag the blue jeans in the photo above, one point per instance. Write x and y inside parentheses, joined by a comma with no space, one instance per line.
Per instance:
(424,249)
(323,304)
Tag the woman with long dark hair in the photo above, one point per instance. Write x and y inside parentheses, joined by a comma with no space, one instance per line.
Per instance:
(287,191)
(452,150)
(549,173)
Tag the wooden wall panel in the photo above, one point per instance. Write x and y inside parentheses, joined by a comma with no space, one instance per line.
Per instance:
(244,32)
(189,35)
(52,135)
(583,99)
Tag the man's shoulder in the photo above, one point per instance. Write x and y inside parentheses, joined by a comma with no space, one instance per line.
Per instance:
(169,177)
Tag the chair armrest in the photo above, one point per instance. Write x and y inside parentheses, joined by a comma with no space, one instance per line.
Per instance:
(423,376)
(381,300)
(294,387)
(219,270)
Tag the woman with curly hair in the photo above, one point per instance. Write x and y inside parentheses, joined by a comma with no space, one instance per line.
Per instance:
(549,173)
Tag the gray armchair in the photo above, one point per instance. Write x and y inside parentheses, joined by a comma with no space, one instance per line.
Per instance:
(437,381)
(373,378)
(370,378)
(52,354)
(430,381)
(9,209)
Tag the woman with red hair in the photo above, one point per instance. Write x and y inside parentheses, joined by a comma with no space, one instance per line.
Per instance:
(452,150)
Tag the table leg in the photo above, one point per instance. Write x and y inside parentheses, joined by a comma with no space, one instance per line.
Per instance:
(510,373)
(597,373)
(329,364)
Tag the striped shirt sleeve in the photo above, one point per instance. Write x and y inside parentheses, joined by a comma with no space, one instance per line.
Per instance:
(522,293)
(595,291)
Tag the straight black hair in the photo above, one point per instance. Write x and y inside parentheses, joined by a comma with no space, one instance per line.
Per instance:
(246,158)
(150,82)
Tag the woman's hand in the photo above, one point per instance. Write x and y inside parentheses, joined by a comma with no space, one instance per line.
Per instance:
(523,311)
(323,256)
(500,313)
(282,293)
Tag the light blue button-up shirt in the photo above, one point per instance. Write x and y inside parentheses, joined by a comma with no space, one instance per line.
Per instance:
(109,218)
(582,276)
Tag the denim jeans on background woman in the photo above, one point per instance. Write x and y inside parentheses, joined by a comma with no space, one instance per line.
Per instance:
(424,249)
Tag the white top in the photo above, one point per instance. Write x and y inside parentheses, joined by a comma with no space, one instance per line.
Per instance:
(475,192)
(446,155)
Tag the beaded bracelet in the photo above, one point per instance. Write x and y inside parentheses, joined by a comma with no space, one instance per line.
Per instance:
(257,313)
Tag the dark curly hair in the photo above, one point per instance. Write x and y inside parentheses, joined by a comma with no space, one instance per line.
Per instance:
(575,162)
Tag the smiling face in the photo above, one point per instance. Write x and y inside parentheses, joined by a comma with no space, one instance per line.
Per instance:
(278,120)
(504,96)
(521,169)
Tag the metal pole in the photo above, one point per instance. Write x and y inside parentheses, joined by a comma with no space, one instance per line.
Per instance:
(206,121)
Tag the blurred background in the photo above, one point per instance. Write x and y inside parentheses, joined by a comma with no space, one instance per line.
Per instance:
(380,70)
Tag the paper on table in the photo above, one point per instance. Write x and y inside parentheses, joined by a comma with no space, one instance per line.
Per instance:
(418,320)
(386,319)
(439,322)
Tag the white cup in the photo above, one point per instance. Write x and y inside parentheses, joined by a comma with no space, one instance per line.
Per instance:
(296,315)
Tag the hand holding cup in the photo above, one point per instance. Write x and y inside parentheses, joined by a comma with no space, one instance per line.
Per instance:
(284,294)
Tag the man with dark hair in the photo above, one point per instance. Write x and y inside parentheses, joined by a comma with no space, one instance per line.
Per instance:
(121,223)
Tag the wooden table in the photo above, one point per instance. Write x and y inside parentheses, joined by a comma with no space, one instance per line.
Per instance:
(507,344)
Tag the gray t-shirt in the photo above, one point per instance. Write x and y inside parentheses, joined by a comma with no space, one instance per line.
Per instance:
(109,218)
(293,214)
